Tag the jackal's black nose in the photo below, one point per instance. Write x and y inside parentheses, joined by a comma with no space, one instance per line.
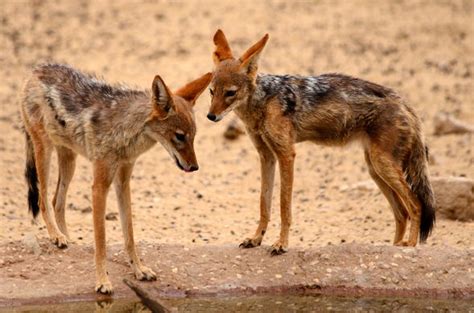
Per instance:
(212,117)
(193,168)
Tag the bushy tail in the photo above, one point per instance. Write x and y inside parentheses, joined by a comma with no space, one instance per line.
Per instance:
(417,176)
(31,176)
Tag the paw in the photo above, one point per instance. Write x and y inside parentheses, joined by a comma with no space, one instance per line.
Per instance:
(144,273)
(60,241)
(104,287)
(279,248)
(251,242)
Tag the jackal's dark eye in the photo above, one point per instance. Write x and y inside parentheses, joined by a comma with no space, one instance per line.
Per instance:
(211,91)
(229,93)
(180,137)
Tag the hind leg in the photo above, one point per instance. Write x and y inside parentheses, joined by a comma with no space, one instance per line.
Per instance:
(399,212)
(42,150)
(66,167)
(391,173)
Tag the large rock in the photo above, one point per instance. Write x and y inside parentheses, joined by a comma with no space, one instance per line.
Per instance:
(445,124)
(454,197)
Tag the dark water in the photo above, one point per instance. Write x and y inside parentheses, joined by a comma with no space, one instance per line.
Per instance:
(264,304)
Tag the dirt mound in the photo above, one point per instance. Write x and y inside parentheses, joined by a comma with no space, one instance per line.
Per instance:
(346,269)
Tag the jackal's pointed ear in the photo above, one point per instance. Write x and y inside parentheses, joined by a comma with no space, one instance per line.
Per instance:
(162,101)
(223,51)
(191,91)
(250,58)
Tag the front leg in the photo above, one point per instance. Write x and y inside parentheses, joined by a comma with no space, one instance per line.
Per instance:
(286,158)
(267,169)
(103,175)
(122,189)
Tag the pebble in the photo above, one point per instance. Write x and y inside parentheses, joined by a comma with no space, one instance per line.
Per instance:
(278,276)
(31,243)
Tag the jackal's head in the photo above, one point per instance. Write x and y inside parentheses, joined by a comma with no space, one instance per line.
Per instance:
(172,119)
(233,79)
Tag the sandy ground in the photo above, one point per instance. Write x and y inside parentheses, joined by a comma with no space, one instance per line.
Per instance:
(224,271)
(423,49)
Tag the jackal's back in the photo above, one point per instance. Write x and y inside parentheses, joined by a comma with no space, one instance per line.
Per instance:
(332,108)
(79,90)
(82,112)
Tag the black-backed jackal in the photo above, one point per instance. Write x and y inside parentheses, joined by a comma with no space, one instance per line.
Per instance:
(333,109)
(111,125)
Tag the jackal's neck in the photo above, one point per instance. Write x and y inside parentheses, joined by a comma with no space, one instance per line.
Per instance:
(250,111)
(127,136)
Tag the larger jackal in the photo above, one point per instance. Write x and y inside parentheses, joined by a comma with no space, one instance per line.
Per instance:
(76,113)
(332,109)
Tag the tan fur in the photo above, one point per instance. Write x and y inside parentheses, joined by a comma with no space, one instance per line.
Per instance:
(331,109)
(116,126)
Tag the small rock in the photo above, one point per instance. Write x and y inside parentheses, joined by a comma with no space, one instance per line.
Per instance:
(454,197)
(384,266)
(234,130)
(112,216)
(87,209)
(31,243)
(278,276)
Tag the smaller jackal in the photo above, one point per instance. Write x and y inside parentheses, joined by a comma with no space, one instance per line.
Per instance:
(332,109)
(111,125)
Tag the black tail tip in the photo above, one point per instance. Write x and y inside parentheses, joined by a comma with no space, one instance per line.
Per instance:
(428,219)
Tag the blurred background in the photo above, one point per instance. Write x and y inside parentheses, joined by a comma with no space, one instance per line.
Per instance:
(422,49)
